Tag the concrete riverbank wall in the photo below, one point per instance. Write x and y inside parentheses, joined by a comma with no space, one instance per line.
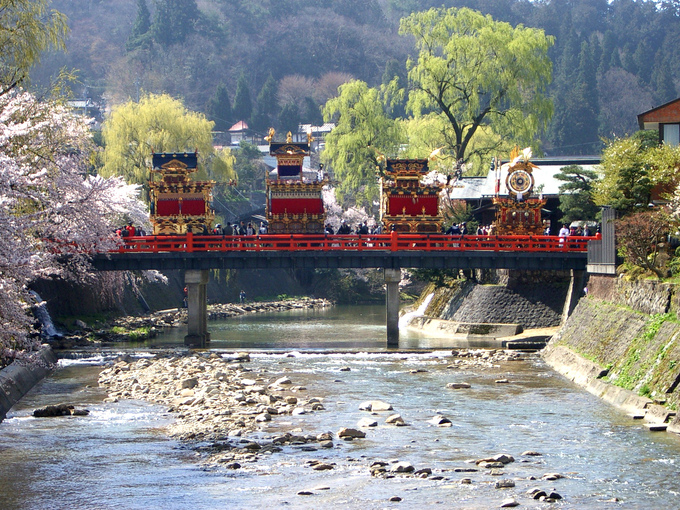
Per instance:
(622,343)
(520,300)
(17,379)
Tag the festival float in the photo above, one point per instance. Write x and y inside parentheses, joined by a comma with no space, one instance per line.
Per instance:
(178,204)
(520,212)
(294,204)
(406,204)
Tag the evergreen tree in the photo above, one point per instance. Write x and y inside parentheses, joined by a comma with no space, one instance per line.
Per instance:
(644,61)
(312,112)
(266,105)
(243,105)
(139,35)
(662,81)
(174,20)
(289,118)
(218,109)
(609,48)
(576,201)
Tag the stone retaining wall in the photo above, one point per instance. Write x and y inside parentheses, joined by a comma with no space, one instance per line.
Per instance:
(16,380)
(626,351)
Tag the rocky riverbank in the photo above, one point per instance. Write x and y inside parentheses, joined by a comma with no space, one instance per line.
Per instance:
(226,407)
(140,328)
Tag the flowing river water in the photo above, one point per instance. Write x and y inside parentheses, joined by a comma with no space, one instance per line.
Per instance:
(119,456)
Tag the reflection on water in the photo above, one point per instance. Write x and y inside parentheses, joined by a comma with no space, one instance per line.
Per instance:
(118,457)
(338,327)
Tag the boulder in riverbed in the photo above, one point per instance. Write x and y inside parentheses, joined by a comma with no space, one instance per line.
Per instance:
(375,406)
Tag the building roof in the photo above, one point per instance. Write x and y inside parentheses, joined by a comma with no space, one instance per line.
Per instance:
(664,114)
(239,126)
(323,128)
(471,188)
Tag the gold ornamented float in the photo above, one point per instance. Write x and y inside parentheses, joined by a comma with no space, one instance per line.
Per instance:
(294,204)
(178,204)
(520,212)
(406,203)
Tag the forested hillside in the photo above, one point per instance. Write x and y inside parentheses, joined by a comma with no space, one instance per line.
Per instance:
(275,62)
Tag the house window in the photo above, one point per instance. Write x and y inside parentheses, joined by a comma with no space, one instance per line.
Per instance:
(671,134)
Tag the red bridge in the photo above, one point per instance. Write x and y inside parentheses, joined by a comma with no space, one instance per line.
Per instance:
(196,254)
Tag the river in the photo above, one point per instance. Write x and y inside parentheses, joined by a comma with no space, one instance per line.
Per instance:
(119,457)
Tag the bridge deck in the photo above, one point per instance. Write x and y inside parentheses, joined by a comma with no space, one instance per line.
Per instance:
(347,251)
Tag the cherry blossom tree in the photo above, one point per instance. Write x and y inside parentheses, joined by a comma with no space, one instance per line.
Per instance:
(53,213)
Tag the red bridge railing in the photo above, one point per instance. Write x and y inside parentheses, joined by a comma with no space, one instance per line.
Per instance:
(345,243)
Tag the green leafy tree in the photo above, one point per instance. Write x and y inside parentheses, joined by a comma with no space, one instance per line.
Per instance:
(250,168)
(363,136)
(576,201)
(394,80)
(174,20)
(158,123)
(626,182)
(219,109)
(243,104)
(478,72)
(27,29)
(140,37)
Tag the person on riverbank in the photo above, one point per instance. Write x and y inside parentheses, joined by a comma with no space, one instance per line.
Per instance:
(242,296)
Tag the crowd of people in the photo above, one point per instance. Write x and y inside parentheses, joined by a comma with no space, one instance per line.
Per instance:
(456,229)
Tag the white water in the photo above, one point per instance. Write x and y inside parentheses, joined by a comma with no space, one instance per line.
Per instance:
(405,319)
(47,328)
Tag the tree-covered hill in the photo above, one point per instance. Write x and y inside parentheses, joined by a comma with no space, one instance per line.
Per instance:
(611,60)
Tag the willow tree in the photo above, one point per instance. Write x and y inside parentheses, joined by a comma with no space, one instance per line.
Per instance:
(158,123)
(27,29)
(476,72)
(362,137)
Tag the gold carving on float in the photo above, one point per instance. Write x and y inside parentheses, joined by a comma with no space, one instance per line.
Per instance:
(519,214)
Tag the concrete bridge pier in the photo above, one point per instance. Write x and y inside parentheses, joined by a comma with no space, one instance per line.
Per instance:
(392,279)
(196,282)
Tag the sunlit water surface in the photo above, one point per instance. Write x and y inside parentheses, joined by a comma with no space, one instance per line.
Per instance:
(119,457)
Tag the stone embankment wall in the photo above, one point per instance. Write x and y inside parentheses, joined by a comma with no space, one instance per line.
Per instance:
(17,379)
(622,343)
(516,297)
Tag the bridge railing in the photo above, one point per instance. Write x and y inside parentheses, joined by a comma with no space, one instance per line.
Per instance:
(338,243)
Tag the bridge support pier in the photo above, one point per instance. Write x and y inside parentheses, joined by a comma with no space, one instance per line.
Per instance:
(392,279)
(196,282)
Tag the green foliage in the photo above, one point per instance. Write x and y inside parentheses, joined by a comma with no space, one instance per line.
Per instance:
(243,105)
(174,21)
(266,106)
(363,136)
(140,36)
(289,118)
(249,167)
(632,167)
(576,201)
(27,29)
(157,123)
(219,109)
(440,277)
(475,71)
(630,372)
